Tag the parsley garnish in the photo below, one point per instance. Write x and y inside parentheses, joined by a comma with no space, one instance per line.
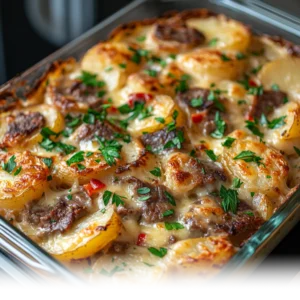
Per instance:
(173,226)
(10,165)
(240,56)
(182,85)
(123,66)
(297,150)
(176,142)
(76,158)
(48,161)
(236,183)
(220,127)
(211,155)
(111,272)
(151,72)
(212,96)
(252,126)
(197,102)
(213,42)
(224,57)
(17,172)
(249,156)
(170,198)
(256,90)
(160,120)
(90,79)
(274,124)
(143,190)
(228,142)
(156,172)
(240,102)
(256,70)
(252,194)
(109,149)
(230,199)
(275,87)
(168,212)
(249,213)
(141,38)
(161,252)
(116,199)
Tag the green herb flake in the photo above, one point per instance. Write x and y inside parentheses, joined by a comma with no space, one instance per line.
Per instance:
(123,66)
(151,72)
(81,167)
(240,56)
(252,194)
(230,199)
(168,213)
(161,252)
(236,183)
(252,126)
(160,120)
(141,38)
(49,177)
(240,102)
(110,149)
(143,190)
(275,87)
(170,198)
(144,198)
(211,155)
(213,42)
(69,197)
(76,158)
(197,102)
(249,156)
(106,197)
(224,57)
(90,79)
(297,150)
(17,172)
(249,213)
(228,142)
(156,172)
(173,226)
(10,165)
(48,161)
(220,127)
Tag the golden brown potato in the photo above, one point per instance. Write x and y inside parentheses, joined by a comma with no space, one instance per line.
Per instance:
(17,189)
(205,255)
(86,237)
(229,34)
(207,66)
(111,62)
(265,172)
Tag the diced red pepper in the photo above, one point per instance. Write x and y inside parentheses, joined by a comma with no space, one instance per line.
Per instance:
(141,239)
(197,118)
(139,97)
(94,186)
(252,83)
(112,110)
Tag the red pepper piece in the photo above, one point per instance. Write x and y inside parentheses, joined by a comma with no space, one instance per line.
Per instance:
(139,97)
(197,117)
(94,186)
(141,239)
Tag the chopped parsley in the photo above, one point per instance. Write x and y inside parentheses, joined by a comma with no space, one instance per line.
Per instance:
(220,127)
(252,126)
(212,96)
(90,79)
(10,165)
(76,158)
(211,155)
(116,199)
(182,85)
(170,198)
(151,72)
(240,102)
(236,183)
(141,38)
(274,124)
(81,167)
(213,42)
(49,178)
(123,66)
(249,213)
(297,150)
(110,273)
(228,142)
(160,120)
(224,57)
(156,172)
(168,212)
(197,102)
(173,226)
(176,142)
(143,190)
(161,252)
(240,56)
(249,156)
(17,172)
(110,149)
(48,161)
(275,87)
(256,70)
(230,199)
(252,194)
(256,90)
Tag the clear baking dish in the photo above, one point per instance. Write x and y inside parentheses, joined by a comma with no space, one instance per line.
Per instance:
(26,262)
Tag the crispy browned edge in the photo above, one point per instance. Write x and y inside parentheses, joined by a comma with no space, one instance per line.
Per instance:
(175,15)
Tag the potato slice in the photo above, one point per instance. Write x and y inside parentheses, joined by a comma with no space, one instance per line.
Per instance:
(284,72)
(87,237)
(207,66)
(141,271)
(111,62)
(229,34)
(268,177)
(197,255)
(163,106)
(29,184)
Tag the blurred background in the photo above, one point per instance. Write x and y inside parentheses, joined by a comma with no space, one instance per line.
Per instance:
(32,29)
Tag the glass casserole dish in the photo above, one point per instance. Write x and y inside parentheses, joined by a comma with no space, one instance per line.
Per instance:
(262,19)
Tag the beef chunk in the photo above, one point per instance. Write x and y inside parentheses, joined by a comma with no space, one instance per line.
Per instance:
(153,208)
(156,141)
(266,103)
(61,216)
(210,172)
(104,129)
(194,93)
(21,126)
(179,33)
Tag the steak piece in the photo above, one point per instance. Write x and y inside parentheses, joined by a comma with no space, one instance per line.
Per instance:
(153,208)
(21,126)
(61,216)
(194,93)
(106,130)
(156,141)
(266,103)
(180,33)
